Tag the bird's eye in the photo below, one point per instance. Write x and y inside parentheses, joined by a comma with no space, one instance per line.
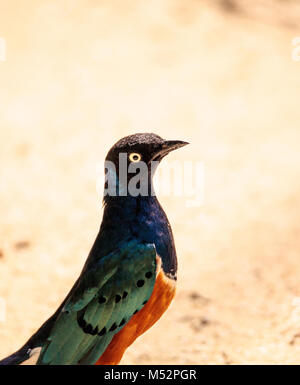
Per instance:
(135,157)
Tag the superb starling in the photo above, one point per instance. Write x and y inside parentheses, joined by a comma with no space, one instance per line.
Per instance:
(129,278)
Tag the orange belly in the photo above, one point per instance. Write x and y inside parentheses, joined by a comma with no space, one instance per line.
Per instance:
(162,295)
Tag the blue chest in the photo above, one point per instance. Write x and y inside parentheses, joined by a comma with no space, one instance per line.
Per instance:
(142,218)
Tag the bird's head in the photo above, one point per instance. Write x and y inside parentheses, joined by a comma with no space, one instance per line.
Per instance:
(132,161)
(143,147)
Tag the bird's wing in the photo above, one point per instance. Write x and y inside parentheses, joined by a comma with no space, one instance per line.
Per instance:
(103,301)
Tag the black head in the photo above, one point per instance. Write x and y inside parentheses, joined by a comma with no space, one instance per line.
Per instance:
(143,147)
(131,162)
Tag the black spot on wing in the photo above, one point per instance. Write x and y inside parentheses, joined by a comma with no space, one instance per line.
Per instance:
(102,332)
(122,322)
(118,298)
(113,327)
(140,283)
(86,327)
(102,299)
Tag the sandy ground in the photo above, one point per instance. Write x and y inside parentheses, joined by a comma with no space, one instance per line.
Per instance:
(217,74)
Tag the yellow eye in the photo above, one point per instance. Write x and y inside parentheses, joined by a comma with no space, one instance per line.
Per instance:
(135,157)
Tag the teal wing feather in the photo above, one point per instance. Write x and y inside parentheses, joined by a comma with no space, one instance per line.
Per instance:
(105,298)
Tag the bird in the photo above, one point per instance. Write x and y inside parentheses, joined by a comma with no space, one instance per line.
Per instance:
(129,278)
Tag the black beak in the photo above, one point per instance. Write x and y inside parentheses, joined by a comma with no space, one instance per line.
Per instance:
(171,145)
(167,147)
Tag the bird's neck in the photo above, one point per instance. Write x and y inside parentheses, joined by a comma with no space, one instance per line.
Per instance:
(128,207)
(143,218)
(130,191)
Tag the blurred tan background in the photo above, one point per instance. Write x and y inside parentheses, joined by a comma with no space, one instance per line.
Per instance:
(81,74)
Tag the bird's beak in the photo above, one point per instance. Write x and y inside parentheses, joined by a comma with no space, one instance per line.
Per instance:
(167,147)
(171,145)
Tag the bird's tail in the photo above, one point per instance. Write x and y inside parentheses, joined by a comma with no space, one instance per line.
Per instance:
(29,353)
(17,358)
